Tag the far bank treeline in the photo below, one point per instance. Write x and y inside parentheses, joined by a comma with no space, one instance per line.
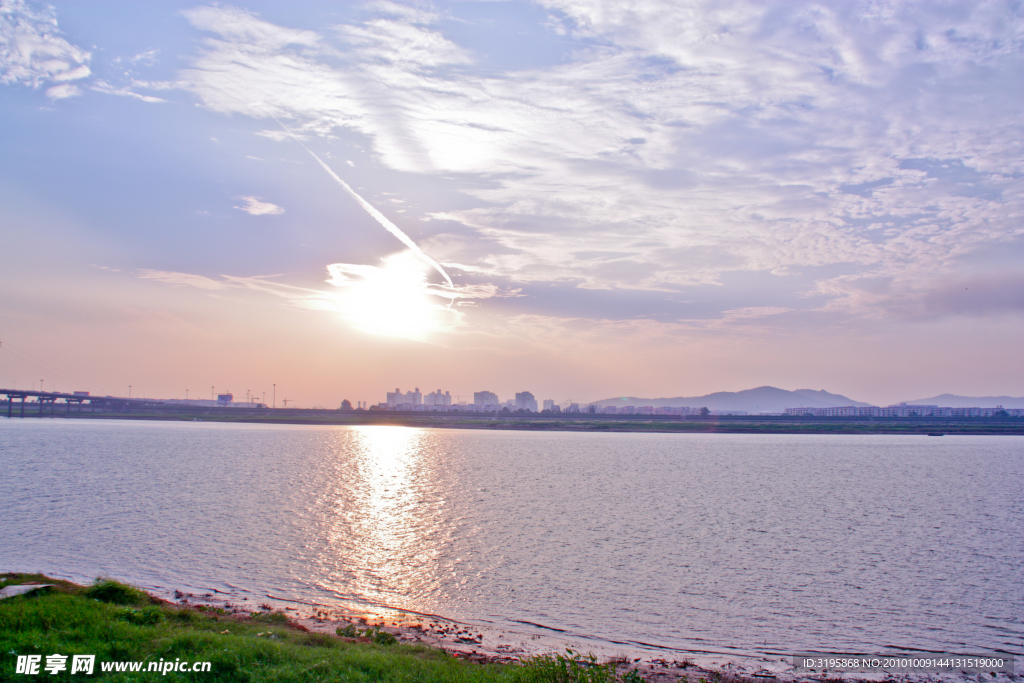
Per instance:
(583,422)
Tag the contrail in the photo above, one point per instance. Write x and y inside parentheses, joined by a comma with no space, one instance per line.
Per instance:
(381,218)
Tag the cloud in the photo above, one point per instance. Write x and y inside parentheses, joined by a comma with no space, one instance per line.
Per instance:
(242,27)
(33,53)
(255,207)
(126,91)
(681,143)
(391,299)
(60,92)
(302,297)
(977,295)
(754,312)
(147,57)
(349,274)
(184,279)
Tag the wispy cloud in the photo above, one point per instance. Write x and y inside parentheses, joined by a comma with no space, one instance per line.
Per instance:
(33,53)
(684,142)
(255,207)
(183,279)
(392,299)
(125,91)
(300,297)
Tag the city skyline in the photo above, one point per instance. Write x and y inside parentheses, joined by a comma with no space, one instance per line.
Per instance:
(585,198)
(763,400)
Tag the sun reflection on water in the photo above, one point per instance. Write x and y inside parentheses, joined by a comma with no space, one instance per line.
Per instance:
(379,537)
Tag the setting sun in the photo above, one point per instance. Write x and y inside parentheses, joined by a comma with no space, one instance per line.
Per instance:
(394,299)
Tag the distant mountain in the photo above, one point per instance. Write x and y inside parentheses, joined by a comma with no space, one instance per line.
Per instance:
(954,401)
(759,400)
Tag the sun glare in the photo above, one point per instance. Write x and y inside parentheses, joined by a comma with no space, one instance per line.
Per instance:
(393,299)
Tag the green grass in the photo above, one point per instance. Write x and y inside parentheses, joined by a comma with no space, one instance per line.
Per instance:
(116,622)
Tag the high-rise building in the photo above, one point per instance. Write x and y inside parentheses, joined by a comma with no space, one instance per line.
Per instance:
(549,404)
(526,401)
(400,401)
(437,399)
(485,400)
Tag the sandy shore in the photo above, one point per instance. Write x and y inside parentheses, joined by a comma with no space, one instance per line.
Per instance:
(482,643)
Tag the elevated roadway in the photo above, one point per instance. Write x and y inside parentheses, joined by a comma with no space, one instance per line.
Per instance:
(44,399)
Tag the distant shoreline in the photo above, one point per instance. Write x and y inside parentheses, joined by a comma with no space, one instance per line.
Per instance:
(581,422)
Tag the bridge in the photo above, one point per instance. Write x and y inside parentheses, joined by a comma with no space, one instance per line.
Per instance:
(50,398)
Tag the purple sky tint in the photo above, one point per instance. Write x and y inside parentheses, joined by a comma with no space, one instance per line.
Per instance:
(643,197)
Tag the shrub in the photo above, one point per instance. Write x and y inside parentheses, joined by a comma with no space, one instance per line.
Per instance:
(572,667)
(108,590)
(376,634)
(382,637)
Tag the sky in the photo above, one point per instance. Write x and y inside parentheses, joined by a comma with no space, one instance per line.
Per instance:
(579,198)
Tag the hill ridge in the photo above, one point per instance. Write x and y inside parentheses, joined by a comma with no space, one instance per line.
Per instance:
(764,399)
(957,401)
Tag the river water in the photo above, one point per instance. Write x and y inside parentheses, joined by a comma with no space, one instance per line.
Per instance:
(719,543)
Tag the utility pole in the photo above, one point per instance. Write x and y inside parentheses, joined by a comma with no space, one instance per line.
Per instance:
(186,394)
(211,393)
(40,386)
(129,391)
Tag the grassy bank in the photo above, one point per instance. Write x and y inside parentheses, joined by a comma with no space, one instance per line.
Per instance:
(119,623)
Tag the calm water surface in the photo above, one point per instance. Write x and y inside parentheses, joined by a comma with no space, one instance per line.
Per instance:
(720,543)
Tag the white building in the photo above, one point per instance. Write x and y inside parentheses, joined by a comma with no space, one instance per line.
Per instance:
(902,410)
(399,401)
(437,399)
(672,410)
(207,403)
